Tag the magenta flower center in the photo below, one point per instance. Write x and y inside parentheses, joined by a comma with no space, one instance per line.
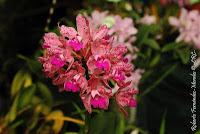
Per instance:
(103,64)
(56,61)
(71,86)
(99,102)
(76,45)
(132,103)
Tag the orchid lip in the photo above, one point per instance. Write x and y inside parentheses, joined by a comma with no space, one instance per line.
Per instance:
(71,86)
(103,64)
(99,102)
(76,45)
(57,62)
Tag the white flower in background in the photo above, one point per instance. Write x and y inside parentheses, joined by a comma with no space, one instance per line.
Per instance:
(148,19)
(136,131)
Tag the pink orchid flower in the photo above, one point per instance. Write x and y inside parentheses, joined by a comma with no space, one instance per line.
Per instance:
(122,29)
(188,24)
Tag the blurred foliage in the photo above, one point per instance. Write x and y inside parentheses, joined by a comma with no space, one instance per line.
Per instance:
(29,103)
(32,100)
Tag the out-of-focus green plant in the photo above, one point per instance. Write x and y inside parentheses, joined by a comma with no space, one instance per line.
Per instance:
(32,104)
(162,124)
(198,132)
(158,51)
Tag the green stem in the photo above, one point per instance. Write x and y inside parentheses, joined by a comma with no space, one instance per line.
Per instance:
(156,83)
(87,122)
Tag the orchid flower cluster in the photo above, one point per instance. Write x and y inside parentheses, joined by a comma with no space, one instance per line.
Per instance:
(123,32)
(90,62)
(122,29)
(188,25)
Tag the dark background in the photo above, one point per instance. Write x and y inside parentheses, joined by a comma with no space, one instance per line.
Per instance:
(22,24)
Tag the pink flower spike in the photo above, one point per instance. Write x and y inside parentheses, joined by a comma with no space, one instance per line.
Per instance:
(56,61)
(76,45)
(71,86)
(132,103)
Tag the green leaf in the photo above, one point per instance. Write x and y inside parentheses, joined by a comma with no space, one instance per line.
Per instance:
(42,108)
(17,82)
(194,1)
(78,109)
(154,28)
(184,55)
(103,120)
(121,125)
(36,100)
(33,121)
(142,35)
(152,43)
(134,15)
(148,53)
(45,92)
(144,31)
(16,124)
(12,114)
(171,46)
(146,75)
(162,126)
(198,132)
(162,77)
(155,60)
(33,64)
(28,80)
(26,95)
